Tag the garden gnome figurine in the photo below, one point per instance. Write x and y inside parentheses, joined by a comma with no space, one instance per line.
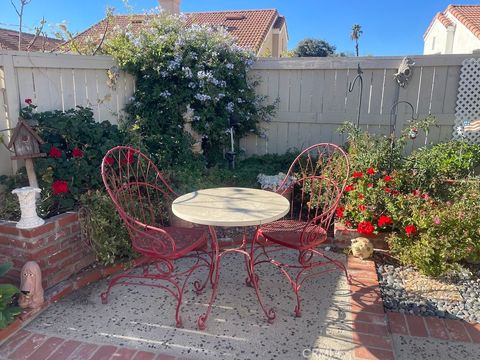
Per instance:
(27,198)
(362,248)
(31,290)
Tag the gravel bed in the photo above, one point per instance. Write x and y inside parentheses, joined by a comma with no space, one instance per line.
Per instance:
(458,297)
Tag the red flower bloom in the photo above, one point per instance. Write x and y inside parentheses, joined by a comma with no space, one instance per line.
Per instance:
(387,178)
(384,220)
(357,174)
(349,188)
(410,229)
(388,190)
(54,152)
(109,160)
(360,197)
(365,228)
(77,153)
(339,212)
(59,186)
(129,158)
(371,171)
(362,208)
(348,224)
(370,185)
(416,192)
(425,196)
(28,101)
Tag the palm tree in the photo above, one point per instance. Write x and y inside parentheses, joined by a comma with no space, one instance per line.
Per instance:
(355,35)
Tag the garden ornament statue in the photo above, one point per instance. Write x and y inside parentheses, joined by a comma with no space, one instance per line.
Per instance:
(362,248)
(405,71)
(27,197)
(31,290)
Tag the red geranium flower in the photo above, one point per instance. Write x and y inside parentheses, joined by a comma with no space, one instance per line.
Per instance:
(384,220)
(28,101)
(371,171)
(339,212)
(370,185)
(54,152)
(109,160)
(77,153)
(348,224)
(416,192)
(362,208)
(129,158)
(425,196)
(59,186)
(410,229)
(357,174)
(360,197)
(365,228)
(387,178)
(388,190)
(349,188)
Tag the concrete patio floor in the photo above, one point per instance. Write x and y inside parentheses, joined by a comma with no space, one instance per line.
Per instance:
(142,318)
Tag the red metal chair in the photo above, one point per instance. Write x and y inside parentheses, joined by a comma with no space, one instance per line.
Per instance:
(320,174)
(142,197)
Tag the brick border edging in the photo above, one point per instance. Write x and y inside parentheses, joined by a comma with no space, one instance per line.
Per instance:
(373,327)
(63,289)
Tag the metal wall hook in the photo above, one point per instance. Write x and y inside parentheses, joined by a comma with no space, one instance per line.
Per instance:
(393,117)
(360,95)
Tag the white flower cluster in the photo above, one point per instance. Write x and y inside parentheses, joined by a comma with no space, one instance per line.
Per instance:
(165,94)
(272,182)
(202,97)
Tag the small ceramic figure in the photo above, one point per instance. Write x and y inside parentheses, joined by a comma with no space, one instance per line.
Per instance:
(31,290)
(362,248)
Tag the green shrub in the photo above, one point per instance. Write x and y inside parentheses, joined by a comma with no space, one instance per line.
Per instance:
(104,228)
(179,70)
(7,292)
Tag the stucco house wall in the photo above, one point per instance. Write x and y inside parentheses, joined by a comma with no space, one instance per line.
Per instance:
(436,39)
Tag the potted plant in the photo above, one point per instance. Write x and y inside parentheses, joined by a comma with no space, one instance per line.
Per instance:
(272,183)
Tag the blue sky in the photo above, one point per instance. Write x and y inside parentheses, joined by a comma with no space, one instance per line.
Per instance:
(390,27)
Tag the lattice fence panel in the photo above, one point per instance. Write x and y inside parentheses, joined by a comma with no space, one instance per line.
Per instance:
(467,111)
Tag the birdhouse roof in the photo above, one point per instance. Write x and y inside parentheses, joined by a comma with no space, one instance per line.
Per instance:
(22,124)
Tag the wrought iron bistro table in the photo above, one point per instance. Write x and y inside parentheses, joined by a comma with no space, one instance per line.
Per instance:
(230,207)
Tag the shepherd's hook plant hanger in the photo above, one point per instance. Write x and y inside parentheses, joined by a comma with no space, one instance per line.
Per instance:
(350,89)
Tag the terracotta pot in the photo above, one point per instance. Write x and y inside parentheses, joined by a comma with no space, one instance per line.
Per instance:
(343,237)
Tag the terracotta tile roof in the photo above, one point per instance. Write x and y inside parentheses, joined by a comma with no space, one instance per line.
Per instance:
(248,27)
(468,15)
(279,22)
(9,41)
(444,20)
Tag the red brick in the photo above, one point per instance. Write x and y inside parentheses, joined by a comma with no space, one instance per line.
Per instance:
(397,323)
(416,325)
(31,344)
(48,347)
(364,282)
(64,350)
(369,318)
(10,329)
(67,218)
(61,293)
(8,228)
(474,331)
(362,274)
(88,278)
(84,351)
(43,253)
(32,233)
(123,354)
(112,269)
(58,277)
(456,330)
(436,328)
(143,355)
(104,352)
(381,342)
(15,340)
(166,357)
(370,308)
(373,329)
(365,353)
(59,255)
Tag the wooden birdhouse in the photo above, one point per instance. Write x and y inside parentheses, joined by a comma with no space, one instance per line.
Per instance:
(25,142)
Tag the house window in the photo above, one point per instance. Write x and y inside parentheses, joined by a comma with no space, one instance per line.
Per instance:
(433,43)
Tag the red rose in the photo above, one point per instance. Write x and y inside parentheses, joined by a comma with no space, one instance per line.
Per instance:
(384,220)
(28,101)
(357,174)
(387,178)
(54,152)
(77,153)
(362,208)
(109,160)
(365,228)
(371,171)
(59,186)
(339,212)
(370,185)
(410,229)
(349,188)
(360,197)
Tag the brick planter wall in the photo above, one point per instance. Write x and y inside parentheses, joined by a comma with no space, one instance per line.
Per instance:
(56,246)
(343,237)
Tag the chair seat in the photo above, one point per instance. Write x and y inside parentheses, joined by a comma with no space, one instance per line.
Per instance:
(289,232)
(151,243)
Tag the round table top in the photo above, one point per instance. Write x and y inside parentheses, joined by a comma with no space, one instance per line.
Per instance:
(231,206)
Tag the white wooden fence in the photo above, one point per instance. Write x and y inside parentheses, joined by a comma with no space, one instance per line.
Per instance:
(313,94)
(58,82)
